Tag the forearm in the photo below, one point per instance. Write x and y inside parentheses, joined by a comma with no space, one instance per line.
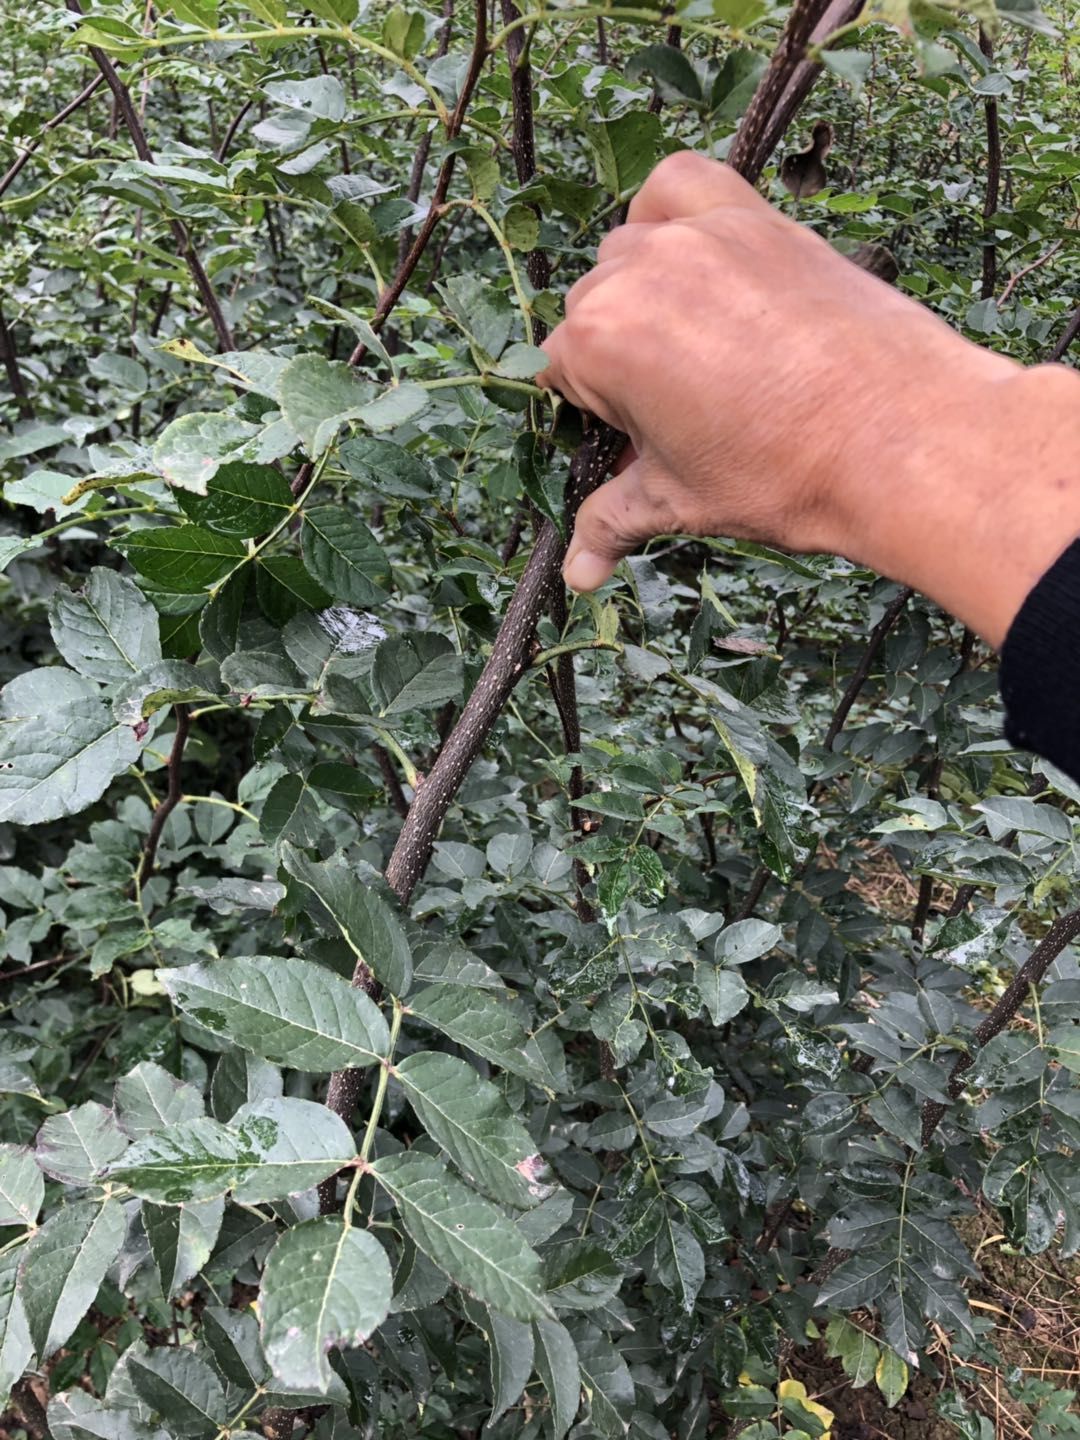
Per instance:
(974,495)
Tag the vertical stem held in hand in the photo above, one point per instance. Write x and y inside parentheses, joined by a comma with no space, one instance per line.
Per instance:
(561,678)
(507,663)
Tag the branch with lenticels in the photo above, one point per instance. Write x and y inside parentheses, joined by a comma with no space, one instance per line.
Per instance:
(591,464)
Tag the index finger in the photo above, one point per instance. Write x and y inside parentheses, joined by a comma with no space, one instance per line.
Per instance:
(685,185)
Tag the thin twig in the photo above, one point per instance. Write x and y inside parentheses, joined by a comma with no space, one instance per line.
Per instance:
(173,794)
(862,670)
(1014,280)
(10,361)
(993,179)
(127,111)
(58,119)
(423,150)
(230,133)
(1068,335)
(391,781)
(836,724)
(393,292)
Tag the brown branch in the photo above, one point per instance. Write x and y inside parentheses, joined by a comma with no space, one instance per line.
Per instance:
(10,361)
(862,670)
(993,179)
(507,663)
(537,264)
(1062,932)
(786,82)
(1014,280)
(775,1220)
(561,678)
(130,117)
(172,794)
(1068,335)
(754,894)
(58,119)
(230,133)
(393,292)
(420,159)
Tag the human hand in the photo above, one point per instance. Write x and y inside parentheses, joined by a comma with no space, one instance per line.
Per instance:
(772,391)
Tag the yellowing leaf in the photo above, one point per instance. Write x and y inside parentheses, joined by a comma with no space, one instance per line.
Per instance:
(796,1390)
(891,1376)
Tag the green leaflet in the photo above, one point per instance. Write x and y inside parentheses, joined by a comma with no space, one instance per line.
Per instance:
(325,1285)
(466,1236)
(149,1099)
(363,918)
(181,1239)
(415,672)
(472,1122)
(290,1011)
(22,1188)
(108,630)
(271,1148)
(343,556)
(63,1266)
(77,1146)
(241,499)
(182,1389)
(558,1367)
(318,396)
(511,1348)
(606,1380)
(187,558)
(487,1023)
(16,1347)
(60,750)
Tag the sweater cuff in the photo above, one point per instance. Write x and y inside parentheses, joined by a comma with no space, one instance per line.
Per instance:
(1040,667)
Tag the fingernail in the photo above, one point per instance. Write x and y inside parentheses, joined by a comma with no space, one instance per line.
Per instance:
(583,571)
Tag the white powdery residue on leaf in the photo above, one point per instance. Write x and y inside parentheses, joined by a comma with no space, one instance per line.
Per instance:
(352,631)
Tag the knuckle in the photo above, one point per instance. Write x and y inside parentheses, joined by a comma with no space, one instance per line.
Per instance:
(680,166)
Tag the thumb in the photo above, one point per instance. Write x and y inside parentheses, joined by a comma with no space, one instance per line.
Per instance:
(614,521)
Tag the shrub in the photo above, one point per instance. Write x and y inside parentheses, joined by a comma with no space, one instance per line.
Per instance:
(435,1003)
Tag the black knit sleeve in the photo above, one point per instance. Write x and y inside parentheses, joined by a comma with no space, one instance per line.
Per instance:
(1040,668)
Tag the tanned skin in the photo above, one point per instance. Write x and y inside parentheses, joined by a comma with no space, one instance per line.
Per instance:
(773,391)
